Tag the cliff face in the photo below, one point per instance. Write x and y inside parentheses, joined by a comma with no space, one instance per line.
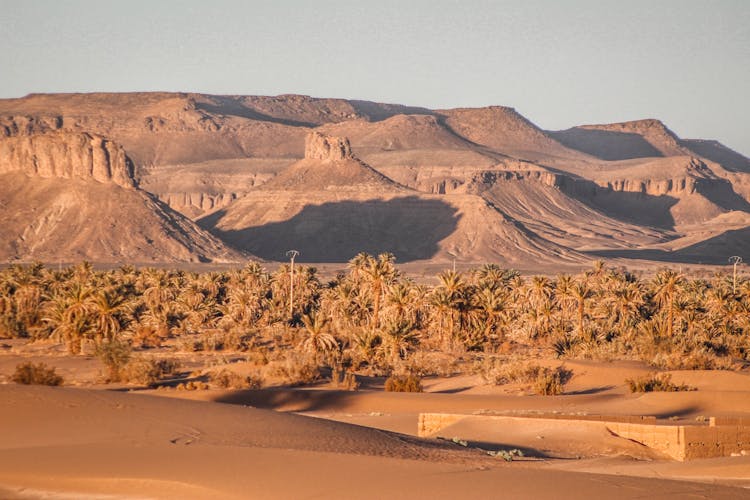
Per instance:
(67,155)
(205,156)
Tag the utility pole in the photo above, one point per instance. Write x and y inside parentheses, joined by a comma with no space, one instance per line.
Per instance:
(292,254)
(734,260)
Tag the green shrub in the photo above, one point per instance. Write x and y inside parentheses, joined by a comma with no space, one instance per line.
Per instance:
(403,383)
(659,382)
(36,374)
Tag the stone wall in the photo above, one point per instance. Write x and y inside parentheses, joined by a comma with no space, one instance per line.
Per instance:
(723,437)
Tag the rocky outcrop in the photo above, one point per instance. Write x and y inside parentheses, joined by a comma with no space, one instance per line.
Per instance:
(68,155)
(11,126)
(324,147)
(330,165)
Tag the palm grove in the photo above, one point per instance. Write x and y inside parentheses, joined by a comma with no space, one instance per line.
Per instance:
(372,320)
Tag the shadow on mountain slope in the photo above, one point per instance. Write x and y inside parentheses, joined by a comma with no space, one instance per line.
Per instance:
(714,251)
(633,207)
(719,153)
(606,144)
(410,228)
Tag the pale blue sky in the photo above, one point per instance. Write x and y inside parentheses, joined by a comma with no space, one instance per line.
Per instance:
(559,63)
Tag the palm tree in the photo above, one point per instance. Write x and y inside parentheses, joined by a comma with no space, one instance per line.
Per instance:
(540,291)
(626,302)
(380,273)
(494,276)
(491,302)
(441,302)
(581,292)
(358,264)
(399,336)
(28,300)
(451,293)
(69,321)
(666,286)
(319,340)
(108,310)
(723,308)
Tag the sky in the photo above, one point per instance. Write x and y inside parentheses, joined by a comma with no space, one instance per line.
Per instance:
(560,63)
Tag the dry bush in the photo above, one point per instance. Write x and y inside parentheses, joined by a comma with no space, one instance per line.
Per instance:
(656,382)
(551,382)
(404,383)
(189,343)
(147,336)
(258,356)
(345,380)
(115,356)
(227,379)
(36,374)
(690,359)
(500,371)
(193,385)
(148,371)
(218,340)
(212,340)
(426,363)
(545,381)
(239,340)
(294,369)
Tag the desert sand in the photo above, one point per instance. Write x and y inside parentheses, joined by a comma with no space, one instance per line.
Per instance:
(237,181)
(87,442)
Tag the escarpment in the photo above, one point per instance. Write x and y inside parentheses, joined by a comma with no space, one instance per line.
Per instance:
(67,155)
(332,177)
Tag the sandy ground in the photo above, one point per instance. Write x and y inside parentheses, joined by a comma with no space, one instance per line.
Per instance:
(76,442)
(87,442)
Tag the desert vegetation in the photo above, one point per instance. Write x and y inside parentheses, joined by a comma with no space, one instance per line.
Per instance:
(659,382)
(371,320)
(36,374)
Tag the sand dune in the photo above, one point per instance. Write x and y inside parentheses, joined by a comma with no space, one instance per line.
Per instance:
(78,442)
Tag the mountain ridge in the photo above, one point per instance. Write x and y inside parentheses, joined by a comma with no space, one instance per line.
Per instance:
(576,192)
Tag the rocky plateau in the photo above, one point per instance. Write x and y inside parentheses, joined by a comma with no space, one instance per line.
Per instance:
(180,177)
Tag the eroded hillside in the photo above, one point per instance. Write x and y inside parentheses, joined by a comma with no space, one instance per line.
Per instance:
(427,185)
